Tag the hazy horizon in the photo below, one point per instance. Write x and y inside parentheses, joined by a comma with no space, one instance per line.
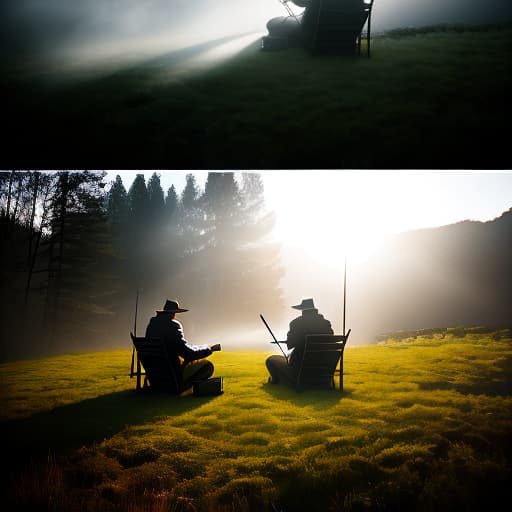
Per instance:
(51,35)
(445,197)
(226,260)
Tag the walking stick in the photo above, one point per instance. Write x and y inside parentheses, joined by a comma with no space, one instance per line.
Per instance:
(345,335)
(344,295)
(138,373)
(275,340)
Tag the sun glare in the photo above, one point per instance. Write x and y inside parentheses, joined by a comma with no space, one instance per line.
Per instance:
(330,215)
(335,214)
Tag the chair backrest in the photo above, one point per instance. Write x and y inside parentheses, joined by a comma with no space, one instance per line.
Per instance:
(159,370)
(337,25)
(322,353)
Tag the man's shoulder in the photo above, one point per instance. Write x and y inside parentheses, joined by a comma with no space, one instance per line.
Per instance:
(176,323)
(297,322)
(317,319)
(162,323)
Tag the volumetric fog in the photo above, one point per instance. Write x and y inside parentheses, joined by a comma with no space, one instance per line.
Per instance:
(103,28)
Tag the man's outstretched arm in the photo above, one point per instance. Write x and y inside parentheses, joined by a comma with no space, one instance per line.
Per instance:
(191,352)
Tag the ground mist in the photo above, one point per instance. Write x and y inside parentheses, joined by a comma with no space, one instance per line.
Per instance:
(429,98)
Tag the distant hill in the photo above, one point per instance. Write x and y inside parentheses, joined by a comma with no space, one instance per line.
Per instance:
(459,274)
(389,14)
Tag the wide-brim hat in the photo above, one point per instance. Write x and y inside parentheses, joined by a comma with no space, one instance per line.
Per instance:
(171,306)
(305,304)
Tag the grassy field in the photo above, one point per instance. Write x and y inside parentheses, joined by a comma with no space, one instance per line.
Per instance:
(424,424)
(430,98)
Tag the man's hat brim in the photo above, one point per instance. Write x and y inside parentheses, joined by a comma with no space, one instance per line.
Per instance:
(305,305)
(179,310)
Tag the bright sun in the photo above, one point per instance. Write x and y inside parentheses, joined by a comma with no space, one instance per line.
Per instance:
(331,215)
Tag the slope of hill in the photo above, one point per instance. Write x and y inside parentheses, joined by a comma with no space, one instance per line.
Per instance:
(458,274)
(453,275)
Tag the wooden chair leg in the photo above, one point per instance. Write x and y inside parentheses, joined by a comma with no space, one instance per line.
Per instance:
(341,374)
(139,371)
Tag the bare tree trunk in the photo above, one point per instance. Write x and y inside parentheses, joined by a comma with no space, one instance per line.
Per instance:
(18,195)
(54,277)
(11,179)
(34,253)
(32,215)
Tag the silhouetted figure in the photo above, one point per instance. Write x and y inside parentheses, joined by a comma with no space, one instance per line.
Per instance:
(185,358)
(310,322)
(324,26)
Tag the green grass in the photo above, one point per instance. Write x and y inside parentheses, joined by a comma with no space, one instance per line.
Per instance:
(423,424)
(429,98)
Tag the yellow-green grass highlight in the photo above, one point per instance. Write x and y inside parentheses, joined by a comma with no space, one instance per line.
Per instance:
(416,417)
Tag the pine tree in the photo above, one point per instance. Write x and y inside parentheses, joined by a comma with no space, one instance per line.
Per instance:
(156,202)
(171,203)
(78,244)
(190,193)
(221,201)
(260,269)
(190,222)
(118,207)
(138,201)
(237,265)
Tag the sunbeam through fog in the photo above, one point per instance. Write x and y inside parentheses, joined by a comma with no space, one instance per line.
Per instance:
(55,35)
(410,240)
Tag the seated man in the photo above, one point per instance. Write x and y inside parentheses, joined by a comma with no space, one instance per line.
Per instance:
(285,28)
(310,322)
(304,29)
(187,360)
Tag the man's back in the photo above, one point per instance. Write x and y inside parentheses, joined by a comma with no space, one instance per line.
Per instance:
(171,332)
(310,322)
(160,326)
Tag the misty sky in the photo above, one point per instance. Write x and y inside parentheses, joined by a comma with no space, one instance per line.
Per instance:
(377,203)
(76,30)
(323,216)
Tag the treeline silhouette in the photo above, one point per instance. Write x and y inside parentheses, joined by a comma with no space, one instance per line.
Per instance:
(76,253)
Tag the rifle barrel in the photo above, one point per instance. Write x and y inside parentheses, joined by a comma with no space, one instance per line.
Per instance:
(275,339)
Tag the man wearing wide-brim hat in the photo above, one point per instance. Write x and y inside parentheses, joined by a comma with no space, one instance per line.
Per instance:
(187,360)
(310,322)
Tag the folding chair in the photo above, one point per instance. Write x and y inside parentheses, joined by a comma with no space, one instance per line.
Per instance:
(319,366)
(159,373)
(336,26)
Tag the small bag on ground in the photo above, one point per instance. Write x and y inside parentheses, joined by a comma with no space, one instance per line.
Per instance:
(209,387)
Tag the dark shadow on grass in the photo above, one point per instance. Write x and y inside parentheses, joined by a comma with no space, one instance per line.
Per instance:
(314,397)
(71,426)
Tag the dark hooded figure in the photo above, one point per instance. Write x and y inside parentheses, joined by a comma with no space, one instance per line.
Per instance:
(333,22)
(286,28)
(187,360)
(310,322)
